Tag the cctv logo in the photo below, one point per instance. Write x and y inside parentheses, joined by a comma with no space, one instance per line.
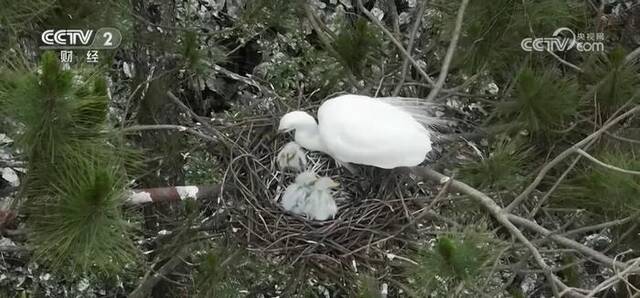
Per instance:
(71,37)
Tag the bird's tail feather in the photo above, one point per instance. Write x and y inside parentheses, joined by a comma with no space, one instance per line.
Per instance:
(429,114)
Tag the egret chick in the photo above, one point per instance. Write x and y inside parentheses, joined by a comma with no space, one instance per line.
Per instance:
(293,198)
(385,132)
(292,157)
(320,204)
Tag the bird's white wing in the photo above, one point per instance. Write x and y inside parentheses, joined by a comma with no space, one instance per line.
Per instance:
(364,130)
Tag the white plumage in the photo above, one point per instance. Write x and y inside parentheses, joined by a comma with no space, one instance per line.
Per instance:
(383,132)
(320,204)
(291,157)
(310,196)
(293,198)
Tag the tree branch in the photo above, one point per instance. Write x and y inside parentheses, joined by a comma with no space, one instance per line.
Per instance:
(605,165)
(449,56)
(541,174)
(502,217)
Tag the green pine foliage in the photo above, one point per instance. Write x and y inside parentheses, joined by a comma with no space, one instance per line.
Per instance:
(80,227)
(224,272)
(502,169)
(14,14)
(456,258)
(493,30)
(543,101)
(191,53)
(601,191)
(76,177)
(280,15)
(60,117)
(614,81)
(354,45)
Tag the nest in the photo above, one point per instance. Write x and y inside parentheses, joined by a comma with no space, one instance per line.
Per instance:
(375,221)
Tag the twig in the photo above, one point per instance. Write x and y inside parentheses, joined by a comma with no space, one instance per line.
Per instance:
(566,241)
(614,279)
(325,40)
(449,56)
(632,56)
(556,184)
(622,139)
(412,38)
(399,45)
(565,62)
(136,128)
(152,278)
(193,114)
(565,154)
(606,165)
(601,226)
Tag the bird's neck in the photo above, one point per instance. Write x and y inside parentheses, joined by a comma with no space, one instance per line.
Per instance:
(309,138)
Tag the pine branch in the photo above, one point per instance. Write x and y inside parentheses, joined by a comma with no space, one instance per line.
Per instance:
(542,173)
(503,218)
(606,165)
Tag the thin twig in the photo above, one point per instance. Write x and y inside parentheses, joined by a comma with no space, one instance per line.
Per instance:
(314,22)
(412,38)
(399,45)
(450,51)
(565,62)
(566,241)
(153,277)
(605,165)
(600,226)
(136,128)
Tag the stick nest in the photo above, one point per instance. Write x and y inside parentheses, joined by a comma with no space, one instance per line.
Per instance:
(373,225)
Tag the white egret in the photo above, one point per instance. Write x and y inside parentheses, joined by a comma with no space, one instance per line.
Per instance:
(293,198)
(386,132)
(291,157)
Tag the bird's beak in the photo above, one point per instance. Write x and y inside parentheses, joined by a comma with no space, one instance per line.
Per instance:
(284,129)
(335,184)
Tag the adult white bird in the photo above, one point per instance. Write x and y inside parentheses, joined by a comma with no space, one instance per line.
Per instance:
(385,132)
(291,157)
